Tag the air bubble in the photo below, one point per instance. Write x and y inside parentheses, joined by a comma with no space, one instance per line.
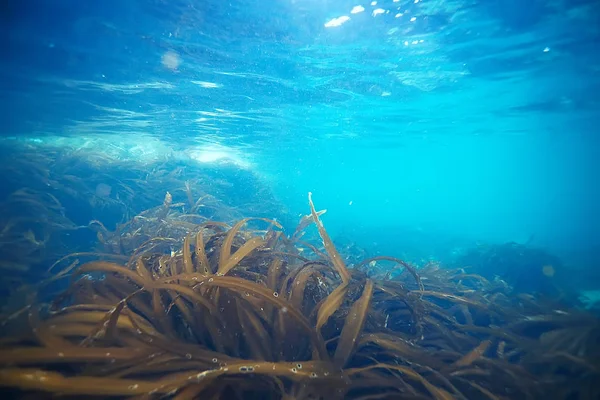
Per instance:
(133,387)
(313,375)
(275,294)
(188,356)
(294,370)
(299,366)
(210,279)
(215,360)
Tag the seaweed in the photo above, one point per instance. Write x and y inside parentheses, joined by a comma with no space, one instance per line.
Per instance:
(235,312)
(57,200)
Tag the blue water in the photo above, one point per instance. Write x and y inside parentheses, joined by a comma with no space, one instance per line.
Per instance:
(424,127)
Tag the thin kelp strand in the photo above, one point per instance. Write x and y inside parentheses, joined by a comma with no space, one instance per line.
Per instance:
(242,252)
(255,336)
(228,242)
(66,354)
(43,333)
(203,265)
(104,266)
(436,392)
(107,326)
(483,390)
(318,252)
(187,256)
(353,326)
(299,284)
(87,254)
(53,382)
(111,327)
(189,293)
(335,257)
(62,274)
(160,313)
(93,318)
(141,269)
(274,273)
(331,305)
(402,263)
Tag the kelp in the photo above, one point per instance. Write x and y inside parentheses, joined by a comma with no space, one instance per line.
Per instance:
(235,312)
(51,191)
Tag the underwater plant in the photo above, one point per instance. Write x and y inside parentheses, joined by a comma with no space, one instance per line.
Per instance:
(50,193)
(238,312)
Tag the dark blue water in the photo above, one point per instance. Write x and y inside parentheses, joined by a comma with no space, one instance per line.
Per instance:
(424,127)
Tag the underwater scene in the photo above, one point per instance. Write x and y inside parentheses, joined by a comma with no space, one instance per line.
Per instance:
(300,199)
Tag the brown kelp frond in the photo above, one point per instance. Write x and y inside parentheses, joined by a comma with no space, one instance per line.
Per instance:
(54,382)
(193,309)
(473,355)
(353,326)
(104,266)
(242,252)
(228,261)
(305,221)
(87,254)
(334,256)
(402,263)
(436,392)
(330,305)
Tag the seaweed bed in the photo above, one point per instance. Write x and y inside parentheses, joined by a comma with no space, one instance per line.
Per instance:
(175,305)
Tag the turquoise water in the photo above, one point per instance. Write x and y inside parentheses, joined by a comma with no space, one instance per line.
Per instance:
(424,127)
(156,157)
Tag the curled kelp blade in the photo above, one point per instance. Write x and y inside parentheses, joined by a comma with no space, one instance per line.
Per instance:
(400,262)
(228,261)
